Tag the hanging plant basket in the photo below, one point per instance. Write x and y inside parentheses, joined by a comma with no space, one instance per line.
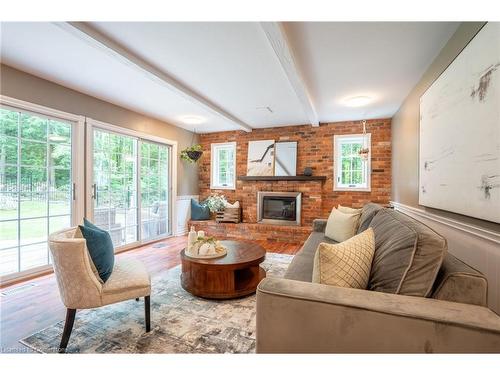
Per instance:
(192,154)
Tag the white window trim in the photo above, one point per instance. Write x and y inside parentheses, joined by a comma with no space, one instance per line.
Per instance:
(337,157)
(212,160)
(90,125)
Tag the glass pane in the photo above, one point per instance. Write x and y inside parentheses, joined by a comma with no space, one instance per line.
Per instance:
(9,262)
(59,223)
(131,234)
(132,216)
(60,156)
(33,127)
(101,218)
(8,122)
(120,217)
(8,234)
(162,227)
(33,230)
(102,198)
(8,206)
(34,256)
(153,151)
(8,179)
(356,164)
(8,149)
(33,204)
(346,149)
(357,177)
(101,141)
(59,132)
(33,153)
(346,164)
(33,179)
(144,150)
(60,180)
(60,202)
(346,178)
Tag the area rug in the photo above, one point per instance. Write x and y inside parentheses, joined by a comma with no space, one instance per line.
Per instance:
(180,322)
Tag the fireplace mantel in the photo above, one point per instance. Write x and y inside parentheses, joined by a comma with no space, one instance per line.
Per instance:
(281,178)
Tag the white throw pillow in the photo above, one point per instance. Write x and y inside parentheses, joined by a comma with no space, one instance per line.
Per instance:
(234,205)
(341,226)
(349,210)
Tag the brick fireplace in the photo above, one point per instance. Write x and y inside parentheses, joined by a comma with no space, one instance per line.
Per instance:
(315,150)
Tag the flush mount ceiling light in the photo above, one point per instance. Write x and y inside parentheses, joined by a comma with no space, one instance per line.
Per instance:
(358,101)
(192,120)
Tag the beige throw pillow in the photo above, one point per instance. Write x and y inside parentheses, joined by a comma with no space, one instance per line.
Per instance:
(349,210)
(346,264)
(341,226)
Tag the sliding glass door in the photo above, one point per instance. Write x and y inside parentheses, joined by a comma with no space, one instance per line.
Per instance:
(114,190)
(36,183)
(130,192)
(154,187)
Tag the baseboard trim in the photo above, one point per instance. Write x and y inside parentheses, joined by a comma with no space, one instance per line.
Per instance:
(455,224)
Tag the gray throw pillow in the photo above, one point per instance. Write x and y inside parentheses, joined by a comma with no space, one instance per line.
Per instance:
(367,214)
(408,255)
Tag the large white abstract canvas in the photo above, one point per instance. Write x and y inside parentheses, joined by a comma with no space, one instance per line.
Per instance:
(460,132)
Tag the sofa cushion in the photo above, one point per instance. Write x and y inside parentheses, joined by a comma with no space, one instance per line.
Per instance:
(341,226)
(346,264)
(408,255)
(367,214)
(301,267)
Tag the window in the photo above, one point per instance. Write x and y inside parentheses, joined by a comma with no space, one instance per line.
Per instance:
(223,166)
(350,171)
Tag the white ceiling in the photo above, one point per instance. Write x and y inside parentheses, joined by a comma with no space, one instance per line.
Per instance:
(228,72)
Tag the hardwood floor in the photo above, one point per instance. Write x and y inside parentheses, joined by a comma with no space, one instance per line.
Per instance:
(28,310)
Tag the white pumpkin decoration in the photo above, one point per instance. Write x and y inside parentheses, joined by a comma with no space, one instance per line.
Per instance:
(207,249)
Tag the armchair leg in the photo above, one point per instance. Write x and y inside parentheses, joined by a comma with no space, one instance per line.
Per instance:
(147,311)
(68,327)
(137,299)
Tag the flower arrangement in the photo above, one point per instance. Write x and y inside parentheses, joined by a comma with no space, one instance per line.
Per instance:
(216,202)
(192,154)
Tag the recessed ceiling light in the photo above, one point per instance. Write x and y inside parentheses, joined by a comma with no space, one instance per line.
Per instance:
(357,101)
(192,120)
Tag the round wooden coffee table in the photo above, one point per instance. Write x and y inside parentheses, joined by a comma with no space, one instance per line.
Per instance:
(234,275)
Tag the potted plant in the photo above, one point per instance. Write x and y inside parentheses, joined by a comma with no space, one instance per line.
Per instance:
(192,153)
(216,202)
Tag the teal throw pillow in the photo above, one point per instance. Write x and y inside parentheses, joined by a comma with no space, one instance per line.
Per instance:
(100,248)
(199,211)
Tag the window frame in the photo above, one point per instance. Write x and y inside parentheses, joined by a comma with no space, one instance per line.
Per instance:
(213,151)
(337,163)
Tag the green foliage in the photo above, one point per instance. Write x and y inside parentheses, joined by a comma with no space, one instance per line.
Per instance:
(216,202)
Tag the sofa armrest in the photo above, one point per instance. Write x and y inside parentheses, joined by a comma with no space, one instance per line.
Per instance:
(319,225)
(303,317)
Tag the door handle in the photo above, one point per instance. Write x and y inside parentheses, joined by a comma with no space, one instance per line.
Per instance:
(94,191)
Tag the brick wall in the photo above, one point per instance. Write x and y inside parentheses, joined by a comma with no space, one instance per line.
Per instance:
(315,150)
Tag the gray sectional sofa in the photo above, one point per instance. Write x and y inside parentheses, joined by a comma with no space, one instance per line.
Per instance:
(438,305)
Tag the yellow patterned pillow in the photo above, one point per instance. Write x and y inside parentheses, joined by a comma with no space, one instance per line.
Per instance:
(346,264)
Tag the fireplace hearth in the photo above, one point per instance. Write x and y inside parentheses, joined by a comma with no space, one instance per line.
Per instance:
(280,208)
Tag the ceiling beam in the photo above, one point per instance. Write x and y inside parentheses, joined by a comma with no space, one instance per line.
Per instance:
(87,33)
(277,38)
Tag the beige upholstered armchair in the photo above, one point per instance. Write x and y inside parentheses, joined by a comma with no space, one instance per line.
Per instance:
(80,286)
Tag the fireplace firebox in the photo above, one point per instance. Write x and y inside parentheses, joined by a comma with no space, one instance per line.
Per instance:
(281,208)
